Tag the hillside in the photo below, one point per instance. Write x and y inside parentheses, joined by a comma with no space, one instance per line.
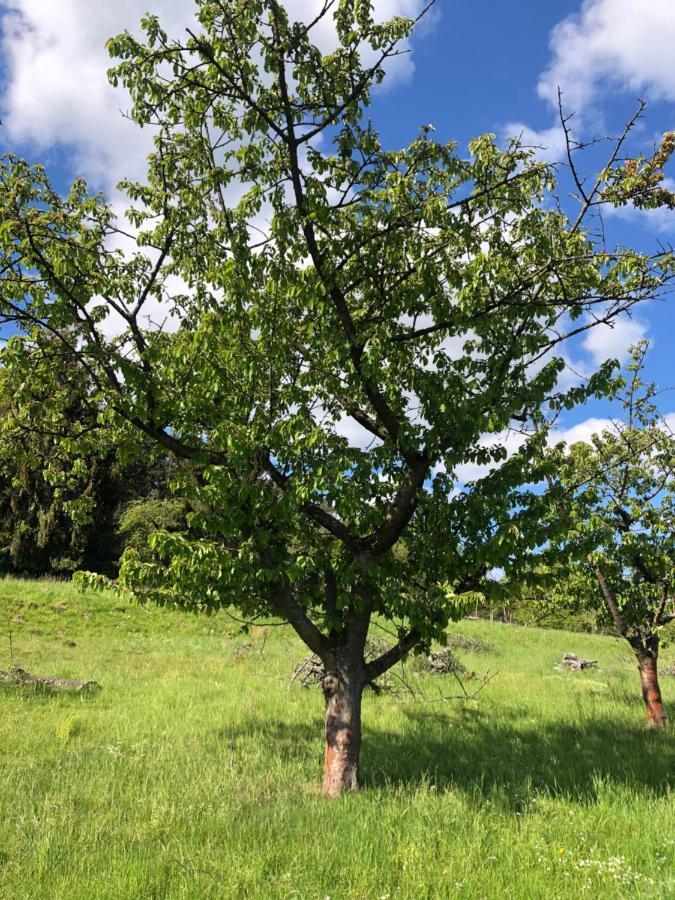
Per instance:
(195,771)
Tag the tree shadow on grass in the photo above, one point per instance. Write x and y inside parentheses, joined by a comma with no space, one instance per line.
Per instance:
(510,762)
(39,693)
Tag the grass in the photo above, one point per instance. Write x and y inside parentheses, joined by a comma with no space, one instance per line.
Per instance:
(195,773)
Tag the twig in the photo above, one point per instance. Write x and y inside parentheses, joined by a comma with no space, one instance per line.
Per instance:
(264,641)
(8,635)
(486,679)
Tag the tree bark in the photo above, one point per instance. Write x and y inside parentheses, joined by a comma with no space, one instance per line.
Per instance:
(651,692)
(343,691)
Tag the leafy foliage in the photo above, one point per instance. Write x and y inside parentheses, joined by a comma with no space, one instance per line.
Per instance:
(640,181)
(616,515)
(313,277)
(140,519)
(62,487)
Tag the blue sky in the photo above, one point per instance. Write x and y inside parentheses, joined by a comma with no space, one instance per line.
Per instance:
(481,66)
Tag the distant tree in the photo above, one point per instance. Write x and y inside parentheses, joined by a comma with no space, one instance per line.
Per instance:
(539,596)
(58,511)
(614,521)
(315,278)
(141,518)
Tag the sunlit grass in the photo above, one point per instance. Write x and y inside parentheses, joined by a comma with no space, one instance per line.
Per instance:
(195,772)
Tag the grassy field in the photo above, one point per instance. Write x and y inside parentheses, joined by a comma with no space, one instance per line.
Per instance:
(195,772)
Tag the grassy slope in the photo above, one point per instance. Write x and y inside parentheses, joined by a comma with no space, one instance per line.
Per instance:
(195,774)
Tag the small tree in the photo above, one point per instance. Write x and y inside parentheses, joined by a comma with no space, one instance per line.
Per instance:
(316,279)
(615,517)
(140,519)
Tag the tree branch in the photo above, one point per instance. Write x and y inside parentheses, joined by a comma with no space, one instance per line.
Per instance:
(396,653)
(611,603)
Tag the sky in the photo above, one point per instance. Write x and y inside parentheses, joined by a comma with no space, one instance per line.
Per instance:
(483,66)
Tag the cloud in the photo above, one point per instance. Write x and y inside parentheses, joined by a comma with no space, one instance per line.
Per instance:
(614,341)
(57,93)
(609,46)
(549,142)
(582,431)
(464,473)
(659,219)
(400,68)
(621,44)
(357,436)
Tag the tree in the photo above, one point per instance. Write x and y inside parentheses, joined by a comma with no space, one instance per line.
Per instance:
(615,525)
(316,278)
(60,512)
(140,519)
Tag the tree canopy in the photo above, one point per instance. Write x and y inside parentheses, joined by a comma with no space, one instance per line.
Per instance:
(289,275)
(613,526)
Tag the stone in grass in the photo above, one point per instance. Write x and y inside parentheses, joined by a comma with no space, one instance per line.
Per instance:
(456,641)
(576,664)
(440,662)
(444,662)
(19,678)
(669,670)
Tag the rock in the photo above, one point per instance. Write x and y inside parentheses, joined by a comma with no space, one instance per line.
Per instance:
(572,661)
(17,676)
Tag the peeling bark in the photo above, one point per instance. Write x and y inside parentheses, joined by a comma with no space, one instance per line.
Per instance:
(651,691)
(646,649)
(343,733)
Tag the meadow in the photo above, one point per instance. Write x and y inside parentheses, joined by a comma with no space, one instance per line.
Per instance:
(194,772)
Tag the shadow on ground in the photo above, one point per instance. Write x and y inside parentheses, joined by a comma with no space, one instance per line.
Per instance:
(512,761)
(506,763)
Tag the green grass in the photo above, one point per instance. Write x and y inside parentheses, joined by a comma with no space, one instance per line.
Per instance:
(195,773)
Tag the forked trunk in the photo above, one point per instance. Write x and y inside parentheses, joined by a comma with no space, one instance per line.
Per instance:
(651,692)
(343,733)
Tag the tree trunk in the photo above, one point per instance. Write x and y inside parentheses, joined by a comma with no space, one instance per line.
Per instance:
(343,692)
(651,692)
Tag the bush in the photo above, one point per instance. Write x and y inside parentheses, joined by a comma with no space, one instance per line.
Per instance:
(141,518)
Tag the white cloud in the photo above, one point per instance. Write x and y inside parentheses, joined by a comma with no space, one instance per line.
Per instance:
(614,341)
(609,46)
(625,44)
(514,440)
(660,219)
(549,142)
(582,431)
(57,93)
(357,436)
(462,474)
(400,69)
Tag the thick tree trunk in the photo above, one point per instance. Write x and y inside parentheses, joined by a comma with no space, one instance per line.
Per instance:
(651,692)
(343,692)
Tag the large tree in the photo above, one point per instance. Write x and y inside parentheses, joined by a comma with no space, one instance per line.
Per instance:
(316,279)
(613,527)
